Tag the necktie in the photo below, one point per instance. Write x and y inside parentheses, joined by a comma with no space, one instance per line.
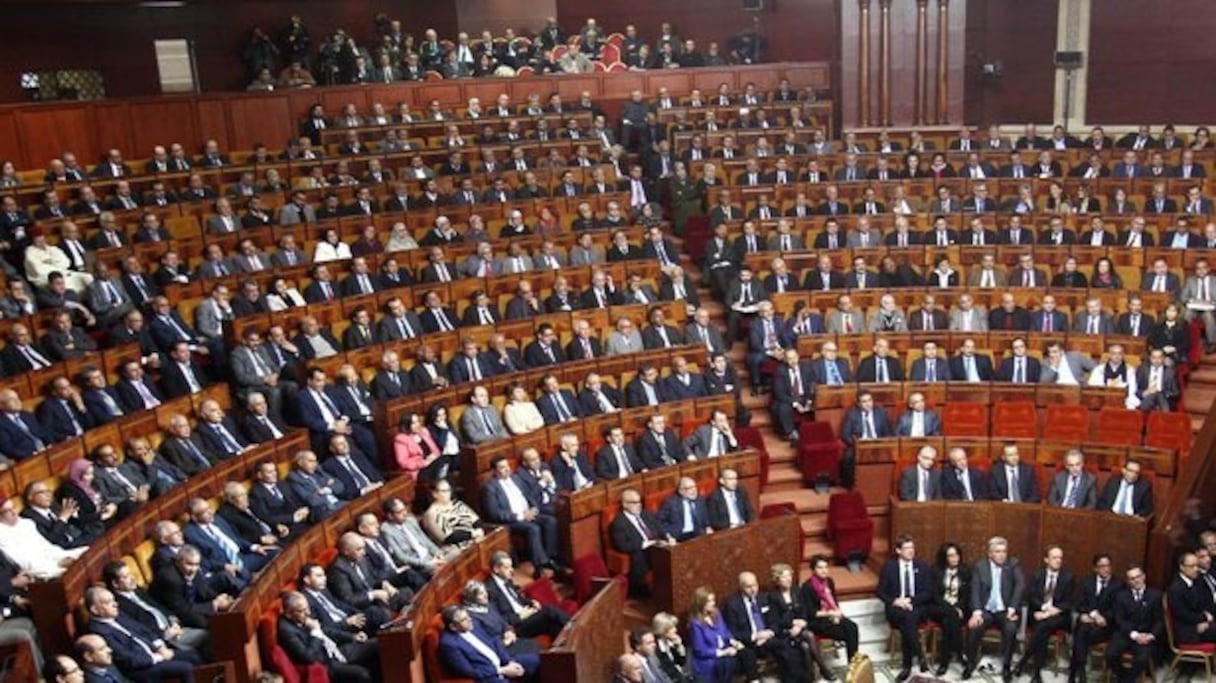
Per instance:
(150,401)
(1015,495)
(1070,500)
(931,371)
(994,594)
(361,480)
(1019,370)
(868,426)
(195,453)
(923,494)
(882,370)
(37,361)
(1051,586)
(485,421)
(1101,584)
(622,462)
(907,582)
(562,413)
(833,373)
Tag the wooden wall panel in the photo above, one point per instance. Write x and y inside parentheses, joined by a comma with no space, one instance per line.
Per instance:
(622,85)
(1022,36)
(448,94)
(486,91)
(10,141)
(474,16)
(570,87)
(1151,62)
(263,119)
(112,128)
(164,120)
(334,99)
(48,132)
(213,123)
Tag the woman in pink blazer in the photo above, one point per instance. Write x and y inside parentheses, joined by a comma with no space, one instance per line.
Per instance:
(413,448)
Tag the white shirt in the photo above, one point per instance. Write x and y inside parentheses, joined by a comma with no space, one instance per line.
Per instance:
(515,497)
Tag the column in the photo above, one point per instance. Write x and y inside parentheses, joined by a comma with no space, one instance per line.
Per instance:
(884,66)
(943,64)
(1072,35)
(863,64)
(922,62)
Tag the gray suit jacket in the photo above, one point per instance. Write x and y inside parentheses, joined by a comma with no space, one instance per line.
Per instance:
(979,320)
(215,225)
(1190,290)
(474,428)
(908,484)
(99,298)
(396,538)
(546,261)
(471,266)
(245,370)
(1106,325)
(111,488)
(586,257)
(899,321)
(208,319)
(976,275)
(1087,490)
(1080,364)
(279,260)
(692,333)
(245,264)
(511,265)
(618,344)
(796,242)
(835,322)
(291,214)
(702,440)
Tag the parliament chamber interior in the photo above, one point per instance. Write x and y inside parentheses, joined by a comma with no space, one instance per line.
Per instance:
(552,341)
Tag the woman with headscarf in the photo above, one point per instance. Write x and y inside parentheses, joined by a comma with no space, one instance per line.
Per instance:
(92,507)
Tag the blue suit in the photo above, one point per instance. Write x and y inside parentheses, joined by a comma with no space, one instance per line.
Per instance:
(213,553)
(933,424)
(99,411)
(541,532)
(462,660)
(222,447)
(310,414)
(563,474)
(458,369)
(671,517)
(350,488)
(133,660)
(18,443)
(675,390)
(547,405)
(57,415)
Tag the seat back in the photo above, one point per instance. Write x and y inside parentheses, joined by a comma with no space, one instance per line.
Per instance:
(1015,420)
(964,419)
(1120,427)
(1168,430)
(268,641)
(1067,423)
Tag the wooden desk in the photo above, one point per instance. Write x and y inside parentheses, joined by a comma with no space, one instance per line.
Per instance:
(715,560)
(1029,528)
(587,649)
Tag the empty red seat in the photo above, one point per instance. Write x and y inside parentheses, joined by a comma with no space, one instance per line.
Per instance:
(963,418)
(1015,420)
(1168,430)
(1066,423)
(849,524)
(819,452)
(750,437)
(1120,427)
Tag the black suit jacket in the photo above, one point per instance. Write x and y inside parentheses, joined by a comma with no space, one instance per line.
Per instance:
(652,454)
(178,454)
(190,602)
(1142,496)
(983,368)
(1145,616)
(719,517)
(1028,484)
(953,489)
(1063,596)
(590,405)
(867,370)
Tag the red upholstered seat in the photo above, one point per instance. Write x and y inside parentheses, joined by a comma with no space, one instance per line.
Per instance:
(1120,427)
(543,591)
(819,451)
(587,569)
(610,54)
(430,654)
(963,418)
(618,562)
(268,641)
(849,524)
(1015,420)
(1168,430)
(1066,423)
(750,437)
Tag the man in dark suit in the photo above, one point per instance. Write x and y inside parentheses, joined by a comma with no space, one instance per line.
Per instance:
(507,499)
(21,435)
(571,469)
(644,389)
(1008,316)
(258,425)
(390,381)
(682,384)
(63,412)
(463,659)
(545,350)
(1019,368)
(1074,488)
(1128,494)
(133,645)
(968,366)
(218,432)
(1135,321)
(356,581)
(135,391)
(1095,615)
(1049,603)
(923,481)
(332,612)
(684,515)
(997,590)
(1139,627)
(351,467)
(1013,481)
(470,365)
(136,603)
(659,446)
(1156,383)
(348,657)
(882,366)
(557,405)
(220,545)
(829,369)
(863,421)
(728,506)
(1047,318)
(960,482)
(240,517)
(528,617)
(598,398)
(277,504)
(633,531)
(55,522)
(185,450)
(1191,603)
(617,458)
(756,624)
(182,590)
(905,588)
(793,393)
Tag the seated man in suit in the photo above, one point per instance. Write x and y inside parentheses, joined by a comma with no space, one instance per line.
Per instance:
(1128,494)
(728,506)
(333,612)
(598,398)
(140,606)
(905,588)
(1049,602)
(468,652)
(1019,368)
(659,446)
(1139,626)
(633,531)
(21,436)
(182,590)
(617,459)
(137,652)
(220,544)
(1074,488)
(481,421)
(281,506)
(355,471)
(1156,383)
(1012,480)
(713,439)
(882,366)
(508,499)
(923,481)
(235,510)
(528,617)
(930,367)
(358,581)
(961,482)
(1191,603)
(968,366)
(863,421)
(997,590)
(63,411)
(348,657)
(1095,614)
(1065,367)
(258,425)
(683,515)
(571,469)
(918,422)
(557,405)
(644,389)
(757,624)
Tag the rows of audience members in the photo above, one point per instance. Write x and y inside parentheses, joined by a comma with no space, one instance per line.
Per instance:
(201,568)
(963,600)
(399,56)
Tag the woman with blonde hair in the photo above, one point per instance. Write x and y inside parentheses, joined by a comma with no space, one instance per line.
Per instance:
(669,647)
(521,416)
